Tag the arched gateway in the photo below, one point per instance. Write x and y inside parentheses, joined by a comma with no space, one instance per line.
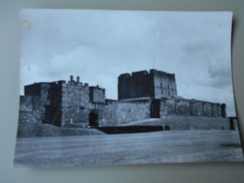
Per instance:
(93,119)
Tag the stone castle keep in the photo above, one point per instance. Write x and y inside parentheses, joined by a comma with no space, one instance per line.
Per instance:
(141,95)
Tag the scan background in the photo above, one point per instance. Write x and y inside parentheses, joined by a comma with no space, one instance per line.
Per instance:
(9,71)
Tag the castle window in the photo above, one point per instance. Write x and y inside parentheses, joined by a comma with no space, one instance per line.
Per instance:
(168,92)
(168,85)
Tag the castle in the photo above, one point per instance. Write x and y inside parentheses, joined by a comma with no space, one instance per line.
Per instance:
(141,95)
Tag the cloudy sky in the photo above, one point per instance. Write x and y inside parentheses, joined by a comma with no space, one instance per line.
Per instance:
(99,45)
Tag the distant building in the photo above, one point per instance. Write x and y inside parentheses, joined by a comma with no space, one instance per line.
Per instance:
(141,96)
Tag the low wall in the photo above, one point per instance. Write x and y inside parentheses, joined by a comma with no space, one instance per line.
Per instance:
(130,129)
(185,107)
(188,123)
(116,113)
(182,107)
(196,123)
(47,130)
(30,116)
(196,108)
(167,107)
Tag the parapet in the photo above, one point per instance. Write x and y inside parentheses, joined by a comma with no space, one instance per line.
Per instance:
(134,74)
(154,71)
(139,73)
(124,76)
(96,88)
(61,82)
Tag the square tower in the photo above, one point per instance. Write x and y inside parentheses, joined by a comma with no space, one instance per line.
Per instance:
(155,84)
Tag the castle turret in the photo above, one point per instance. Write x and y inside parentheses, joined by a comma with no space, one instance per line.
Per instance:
(71,78)
(78,79)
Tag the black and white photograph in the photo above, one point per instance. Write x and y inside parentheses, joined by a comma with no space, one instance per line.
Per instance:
(118,87)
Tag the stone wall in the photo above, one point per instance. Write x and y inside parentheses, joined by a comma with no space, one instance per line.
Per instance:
(53,108)
(207,109)
(167,107)
(164,84)
(79,101)
(44,102)
(195,123)
(75,103)
(187,123)
(215,110)
(46,130)
(40,94)
(184,107)
(115,113)
(97,95)
(196,108)
(30,109)
(29,103)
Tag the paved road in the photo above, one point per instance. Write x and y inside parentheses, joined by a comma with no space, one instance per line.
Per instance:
(140,148)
